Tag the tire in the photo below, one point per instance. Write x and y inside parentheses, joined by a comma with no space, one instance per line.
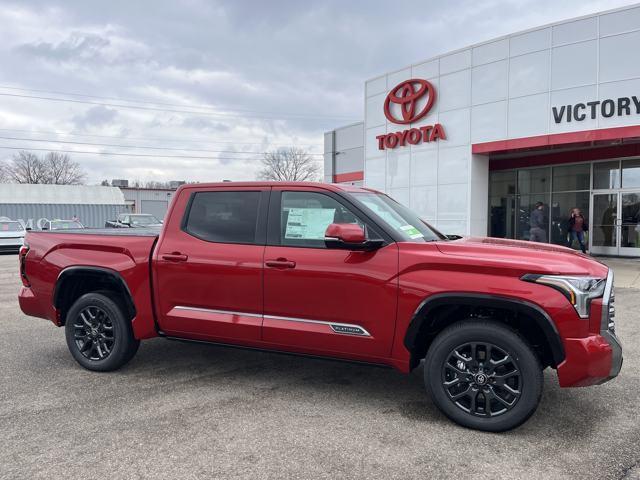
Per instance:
(493,391)
(98,334)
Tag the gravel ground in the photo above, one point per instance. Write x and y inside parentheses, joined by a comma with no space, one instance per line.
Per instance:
(182,410)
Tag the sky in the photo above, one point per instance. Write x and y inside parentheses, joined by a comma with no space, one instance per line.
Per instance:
(198,90)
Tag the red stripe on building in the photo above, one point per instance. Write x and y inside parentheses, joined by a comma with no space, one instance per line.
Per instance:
(348,177)
(545,141)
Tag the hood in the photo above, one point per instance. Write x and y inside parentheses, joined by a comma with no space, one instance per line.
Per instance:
(530,256)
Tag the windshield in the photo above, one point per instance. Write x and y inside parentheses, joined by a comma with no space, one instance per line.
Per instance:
(398,217)
(11,227)
(144,220)
(65,224)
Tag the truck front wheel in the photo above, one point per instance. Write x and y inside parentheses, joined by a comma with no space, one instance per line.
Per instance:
(483,375)
(98,334)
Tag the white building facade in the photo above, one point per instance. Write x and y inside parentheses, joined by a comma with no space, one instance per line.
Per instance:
(474,139)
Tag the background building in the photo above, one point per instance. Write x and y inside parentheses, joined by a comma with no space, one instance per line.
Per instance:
(34,204)
(551,115)
(344,154)
(154,201)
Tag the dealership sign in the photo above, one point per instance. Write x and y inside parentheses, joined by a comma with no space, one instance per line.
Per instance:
(406,103)
(610,107)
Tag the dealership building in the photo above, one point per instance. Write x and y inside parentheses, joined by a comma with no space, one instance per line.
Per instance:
(473,139)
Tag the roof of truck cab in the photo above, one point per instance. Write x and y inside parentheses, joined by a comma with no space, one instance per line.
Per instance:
(327,186)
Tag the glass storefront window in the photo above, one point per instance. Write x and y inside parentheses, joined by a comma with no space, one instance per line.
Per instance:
(606,175)
(502,183)
(527,222)
(571,177)
(501,216)
(534,180)
(561,206)
(631,173)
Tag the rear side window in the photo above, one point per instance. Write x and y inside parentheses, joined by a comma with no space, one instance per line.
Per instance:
(224,217)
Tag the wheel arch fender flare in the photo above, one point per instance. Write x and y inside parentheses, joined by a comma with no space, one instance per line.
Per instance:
(113,277)
(531,310)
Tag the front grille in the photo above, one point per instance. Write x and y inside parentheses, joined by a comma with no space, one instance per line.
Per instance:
(608,322)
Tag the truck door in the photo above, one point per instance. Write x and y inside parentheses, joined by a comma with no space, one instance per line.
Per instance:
(208,264)
(321,300)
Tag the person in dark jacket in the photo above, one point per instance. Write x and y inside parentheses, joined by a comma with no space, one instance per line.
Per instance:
(576,227)
(537,230)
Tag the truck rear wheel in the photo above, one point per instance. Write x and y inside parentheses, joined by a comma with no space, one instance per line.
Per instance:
(98,334)
(483,375)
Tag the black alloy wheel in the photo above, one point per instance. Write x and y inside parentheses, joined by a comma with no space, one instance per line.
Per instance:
(482,379)
(94,333)
(99,332)
(483,374)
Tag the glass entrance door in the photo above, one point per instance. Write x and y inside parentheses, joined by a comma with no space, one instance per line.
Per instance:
(615,223)
(629,221)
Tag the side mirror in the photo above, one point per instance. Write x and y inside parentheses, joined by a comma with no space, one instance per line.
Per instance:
(453,237)
(349,236)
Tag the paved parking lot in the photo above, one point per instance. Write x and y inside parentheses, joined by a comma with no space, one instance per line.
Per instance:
(183,410)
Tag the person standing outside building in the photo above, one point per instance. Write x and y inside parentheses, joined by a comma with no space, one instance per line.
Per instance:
(577,225)
(537,231)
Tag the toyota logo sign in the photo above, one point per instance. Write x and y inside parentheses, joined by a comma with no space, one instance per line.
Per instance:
(406,103)
(407,94)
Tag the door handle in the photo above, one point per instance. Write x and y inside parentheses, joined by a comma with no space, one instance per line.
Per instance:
(280,263)
(175,257)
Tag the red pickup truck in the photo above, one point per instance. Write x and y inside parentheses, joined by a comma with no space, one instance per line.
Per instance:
(340,272)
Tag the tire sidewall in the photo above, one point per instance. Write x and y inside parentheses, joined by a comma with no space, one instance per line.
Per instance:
(123,336)
(502,337)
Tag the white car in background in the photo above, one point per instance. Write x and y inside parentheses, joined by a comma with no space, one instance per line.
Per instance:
(11,235)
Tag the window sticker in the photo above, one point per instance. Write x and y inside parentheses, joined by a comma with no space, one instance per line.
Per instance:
(308,223)
(412,231)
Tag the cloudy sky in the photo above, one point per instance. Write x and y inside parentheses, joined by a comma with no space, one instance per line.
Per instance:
(197,89)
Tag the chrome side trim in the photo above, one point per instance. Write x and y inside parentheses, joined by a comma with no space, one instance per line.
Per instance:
(223,312)
(339,328)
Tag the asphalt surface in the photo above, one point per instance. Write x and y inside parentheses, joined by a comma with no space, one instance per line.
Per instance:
(182,410)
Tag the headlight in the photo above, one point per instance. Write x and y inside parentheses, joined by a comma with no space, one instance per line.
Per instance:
(578,290)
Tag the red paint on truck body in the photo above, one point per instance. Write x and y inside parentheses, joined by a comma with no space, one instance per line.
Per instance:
(308,300)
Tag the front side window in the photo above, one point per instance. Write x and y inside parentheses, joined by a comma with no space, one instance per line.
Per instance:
(305,217)
(11,227)
(224,217)
(398,217)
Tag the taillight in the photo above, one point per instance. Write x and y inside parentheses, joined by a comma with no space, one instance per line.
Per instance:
(22,256)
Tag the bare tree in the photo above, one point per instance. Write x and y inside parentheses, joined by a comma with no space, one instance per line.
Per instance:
(27,167)
(289,165)
(4,178)
(62,170)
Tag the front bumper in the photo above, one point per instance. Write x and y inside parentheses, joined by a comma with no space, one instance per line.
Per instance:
(590,361)
(597,358)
